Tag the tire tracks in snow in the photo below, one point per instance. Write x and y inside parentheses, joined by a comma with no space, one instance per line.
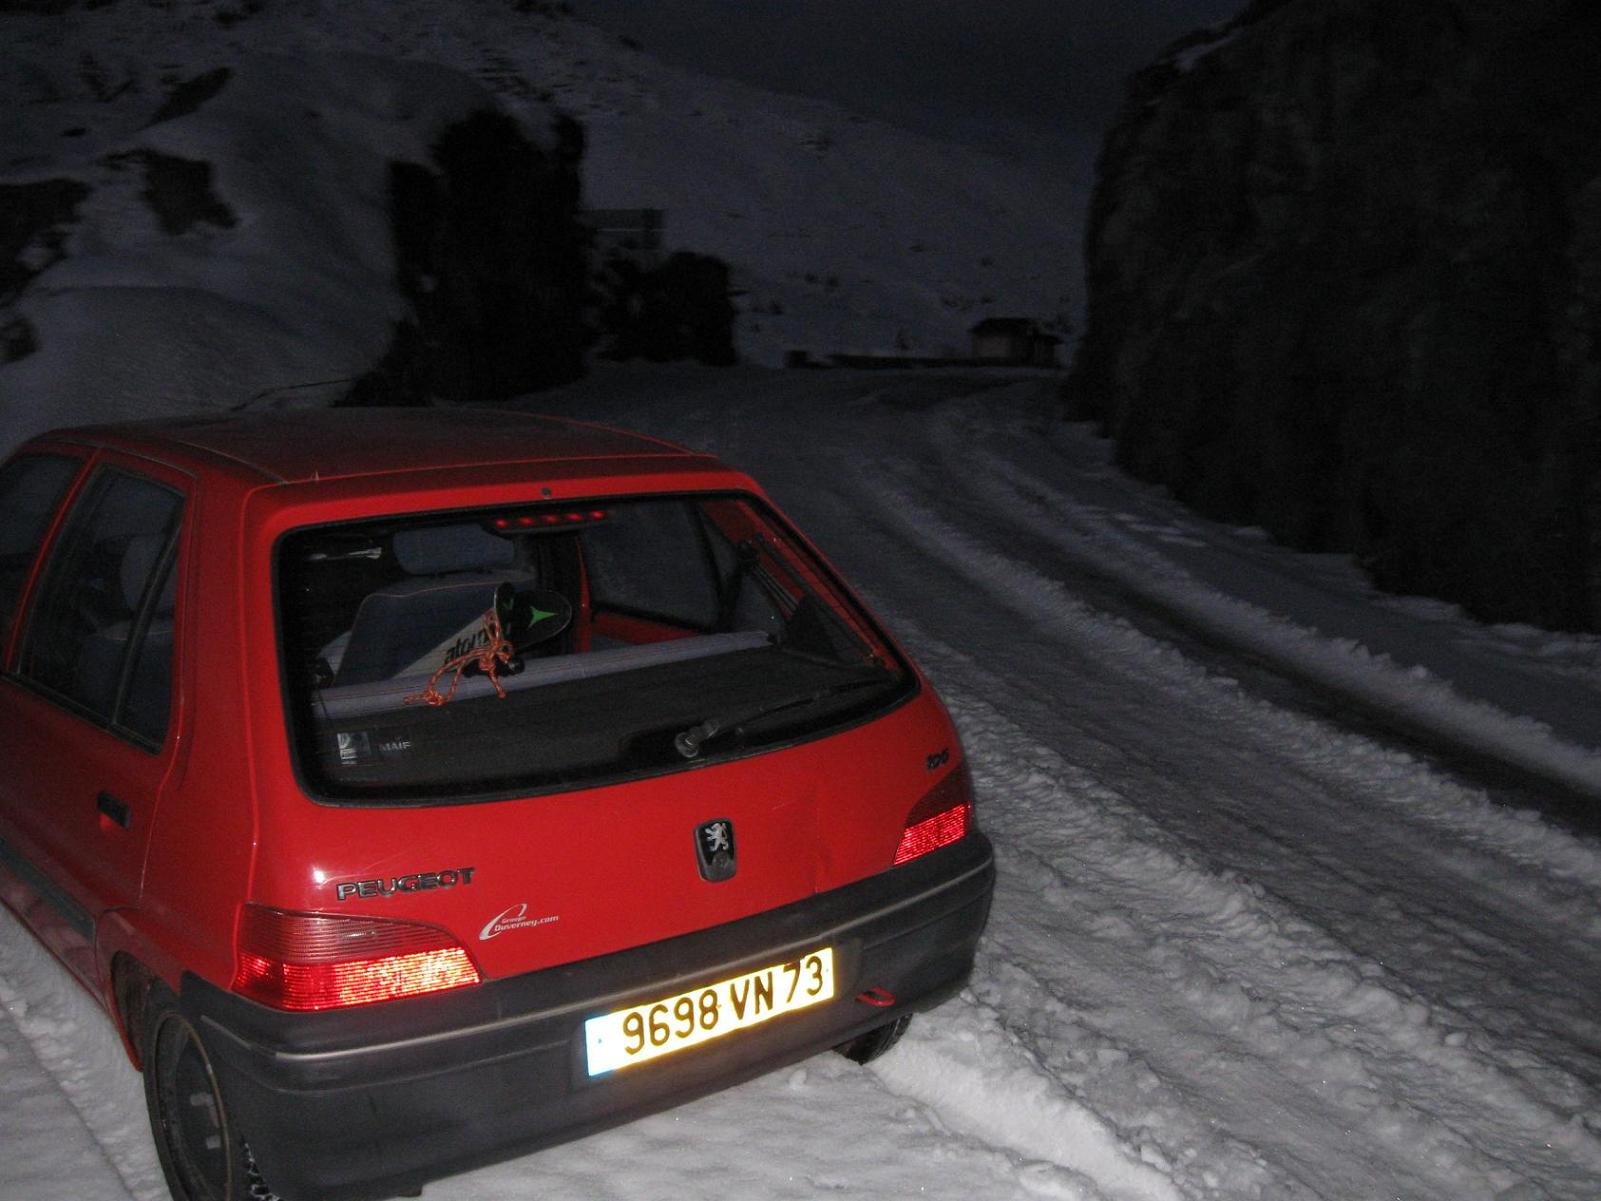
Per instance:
(1564,779)
(1165,963)
(1541,880)
(1359,1015)
(983,1081)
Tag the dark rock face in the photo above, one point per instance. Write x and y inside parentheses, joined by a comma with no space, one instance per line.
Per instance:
(490,252)
(190,94)
(1345,283)
(179,191)
(34,215)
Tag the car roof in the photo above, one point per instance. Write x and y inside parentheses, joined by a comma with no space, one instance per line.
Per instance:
(319,444)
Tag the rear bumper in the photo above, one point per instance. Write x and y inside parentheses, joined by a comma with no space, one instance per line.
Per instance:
(366,1103)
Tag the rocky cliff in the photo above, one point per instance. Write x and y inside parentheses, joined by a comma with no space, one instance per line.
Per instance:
(1344,270)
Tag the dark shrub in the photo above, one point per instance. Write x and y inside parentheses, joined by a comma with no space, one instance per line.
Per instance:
(489,251)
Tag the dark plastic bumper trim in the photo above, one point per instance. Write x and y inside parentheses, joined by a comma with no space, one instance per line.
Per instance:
(665,985)
(350,1105)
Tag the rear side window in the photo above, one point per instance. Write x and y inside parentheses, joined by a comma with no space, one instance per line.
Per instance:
(482,652)
(30,488)
(653,564)
(100,633)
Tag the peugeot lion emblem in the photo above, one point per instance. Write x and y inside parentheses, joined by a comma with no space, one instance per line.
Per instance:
(714,849)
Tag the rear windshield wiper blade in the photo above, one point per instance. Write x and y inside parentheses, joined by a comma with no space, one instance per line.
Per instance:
(691,740)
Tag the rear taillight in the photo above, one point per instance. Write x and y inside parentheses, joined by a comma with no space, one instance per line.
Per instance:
(307,961)
(942,817)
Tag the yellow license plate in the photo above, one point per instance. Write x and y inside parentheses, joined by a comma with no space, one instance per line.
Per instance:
(628,1036)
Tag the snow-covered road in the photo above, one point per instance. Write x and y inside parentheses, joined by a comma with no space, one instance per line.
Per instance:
(1237,951)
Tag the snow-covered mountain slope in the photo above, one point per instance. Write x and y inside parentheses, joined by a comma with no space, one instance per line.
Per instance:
(266,260)
(239,247)
(1239,952)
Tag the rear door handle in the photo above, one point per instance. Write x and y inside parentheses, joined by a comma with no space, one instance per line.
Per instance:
(116,810)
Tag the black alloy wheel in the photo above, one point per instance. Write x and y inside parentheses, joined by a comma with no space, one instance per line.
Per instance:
(201,1152)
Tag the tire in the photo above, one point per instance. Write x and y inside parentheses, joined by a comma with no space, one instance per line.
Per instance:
(202,1152)
(865,1048)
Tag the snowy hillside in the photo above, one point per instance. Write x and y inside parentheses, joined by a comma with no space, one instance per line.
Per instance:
(212,257)
(265,260)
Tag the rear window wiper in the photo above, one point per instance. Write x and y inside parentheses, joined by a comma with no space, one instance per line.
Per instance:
(688,742)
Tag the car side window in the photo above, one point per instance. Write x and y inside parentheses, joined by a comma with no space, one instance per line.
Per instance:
(148,698)
(31,486)
(655,552)
(100,633)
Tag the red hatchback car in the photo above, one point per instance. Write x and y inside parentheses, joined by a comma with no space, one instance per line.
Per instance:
(417,788)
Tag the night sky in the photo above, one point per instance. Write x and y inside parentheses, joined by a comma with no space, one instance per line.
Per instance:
(1036,78)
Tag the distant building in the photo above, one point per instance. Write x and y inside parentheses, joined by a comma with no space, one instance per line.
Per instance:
(632,233)
(1014,341)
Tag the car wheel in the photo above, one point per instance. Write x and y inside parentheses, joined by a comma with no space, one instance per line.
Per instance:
(201,1151)
(865,1048)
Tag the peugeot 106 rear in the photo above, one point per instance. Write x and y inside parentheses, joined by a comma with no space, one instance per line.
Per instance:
(418,789)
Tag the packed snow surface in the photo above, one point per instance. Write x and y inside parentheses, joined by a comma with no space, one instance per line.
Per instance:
(1241,948)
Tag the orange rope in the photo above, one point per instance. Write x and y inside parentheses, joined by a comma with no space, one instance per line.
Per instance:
(496,651)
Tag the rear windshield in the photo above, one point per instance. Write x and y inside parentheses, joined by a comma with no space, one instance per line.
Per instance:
(473,654)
